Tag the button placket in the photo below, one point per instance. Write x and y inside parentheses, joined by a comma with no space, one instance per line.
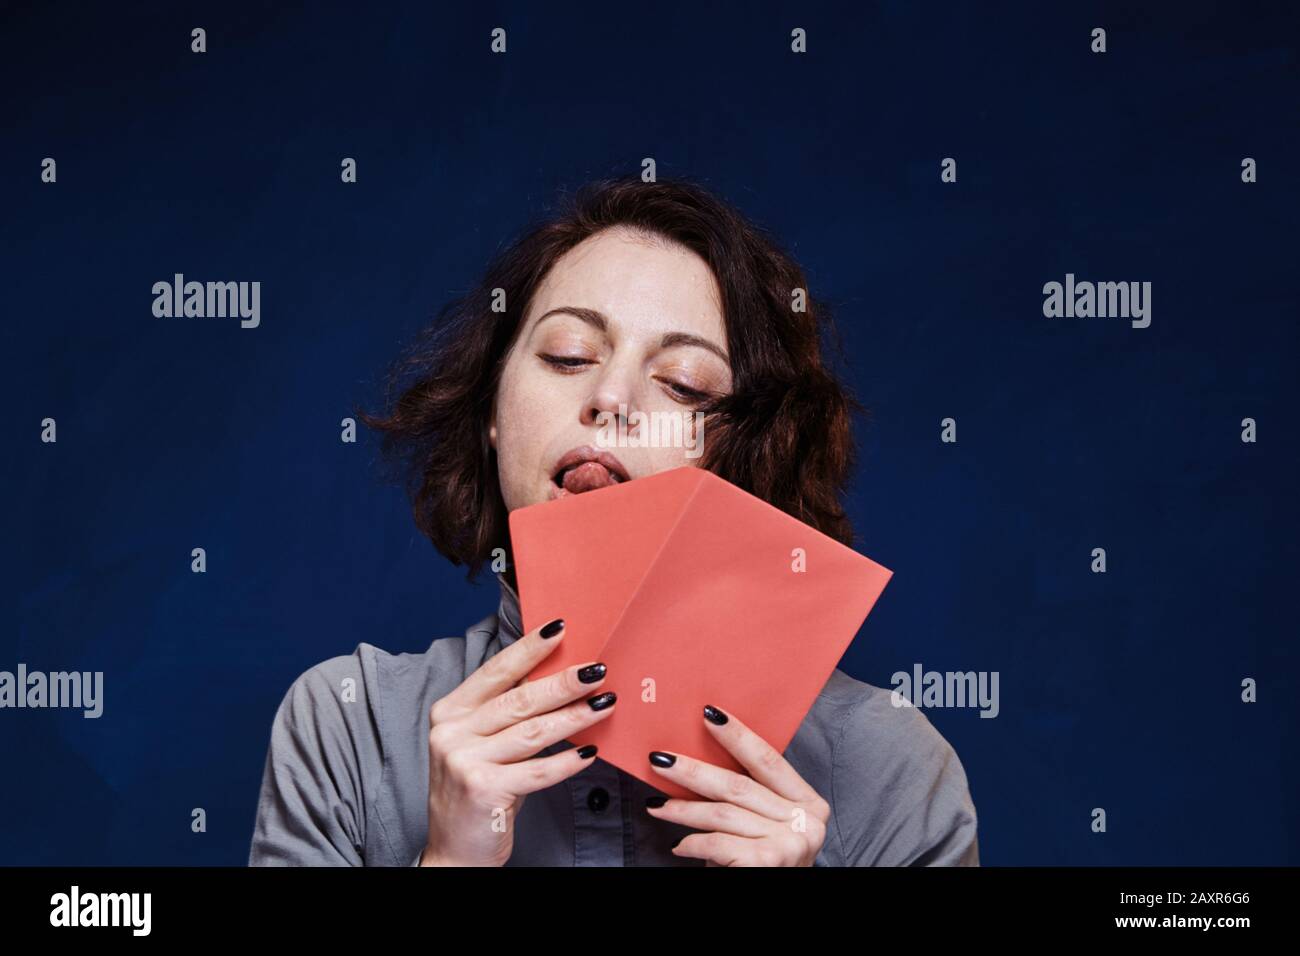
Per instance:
(597,816)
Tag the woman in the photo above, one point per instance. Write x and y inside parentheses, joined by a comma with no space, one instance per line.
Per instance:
(638,297)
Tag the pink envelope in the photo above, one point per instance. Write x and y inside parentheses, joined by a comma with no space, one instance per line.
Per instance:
(693,592)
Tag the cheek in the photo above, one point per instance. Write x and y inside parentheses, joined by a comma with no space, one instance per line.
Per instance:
(524,406)
(662,459)
(526,417)
(672,453)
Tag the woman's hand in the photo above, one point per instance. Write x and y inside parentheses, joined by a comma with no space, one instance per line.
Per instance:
(771,818)
(481,737)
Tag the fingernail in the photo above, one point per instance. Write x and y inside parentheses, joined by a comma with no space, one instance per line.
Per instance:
(601,701)
(655,801)
(591,673)
(661,759)
(553,628)
(714,715)
(587,750)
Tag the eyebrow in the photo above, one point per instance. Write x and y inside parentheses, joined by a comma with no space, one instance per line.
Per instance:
(598,321)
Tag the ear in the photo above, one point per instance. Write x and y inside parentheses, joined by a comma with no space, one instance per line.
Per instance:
(492,426)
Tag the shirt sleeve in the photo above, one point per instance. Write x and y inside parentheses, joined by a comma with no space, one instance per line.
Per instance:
(900,791)
(324,752)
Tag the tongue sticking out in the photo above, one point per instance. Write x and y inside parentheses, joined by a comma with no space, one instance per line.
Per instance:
(588,476)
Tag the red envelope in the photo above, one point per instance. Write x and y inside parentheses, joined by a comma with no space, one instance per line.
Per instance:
(693,592)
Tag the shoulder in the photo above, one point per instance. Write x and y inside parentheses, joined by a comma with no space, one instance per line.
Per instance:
(321,764)
(340,724)
(334,681)
(333,702)
(352,707)
(899,792)
(367,685)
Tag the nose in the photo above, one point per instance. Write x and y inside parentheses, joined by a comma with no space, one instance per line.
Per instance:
(613,398)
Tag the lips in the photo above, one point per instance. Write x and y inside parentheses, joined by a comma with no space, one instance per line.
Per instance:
(586,469)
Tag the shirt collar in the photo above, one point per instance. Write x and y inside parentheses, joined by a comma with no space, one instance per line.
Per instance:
(509,620)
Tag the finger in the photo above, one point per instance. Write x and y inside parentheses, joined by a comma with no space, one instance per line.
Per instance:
(505,668)
(763,761)
(710,815)
(536,697)
(727,786)
(528,776)
(722,849)
(526,738)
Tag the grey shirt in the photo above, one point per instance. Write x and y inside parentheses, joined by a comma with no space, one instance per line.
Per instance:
(346,779)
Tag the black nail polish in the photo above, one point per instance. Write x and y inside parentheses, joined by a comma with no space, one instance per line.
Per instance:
(587,750)
(661,759)
(655,801)
(601,701)
(553,628)
(714,715)
(591,673)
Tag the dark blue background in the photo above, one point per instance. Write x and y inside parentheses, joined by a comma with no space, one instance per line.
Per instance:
(1118,690)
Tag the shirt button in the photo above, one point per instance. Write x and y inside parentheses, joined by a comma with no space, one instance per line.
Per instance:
(598,799)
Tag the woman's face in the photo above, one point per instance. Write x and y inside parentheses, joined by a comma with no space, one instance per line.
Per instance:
(619,326)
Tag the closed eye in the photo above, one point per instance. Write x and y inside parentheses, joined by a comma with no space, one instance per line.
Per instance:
(685,392)
(565,361)
(569,364)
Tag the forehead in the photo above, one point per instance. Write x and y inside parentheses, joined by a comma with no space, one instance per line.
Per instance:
(640,284)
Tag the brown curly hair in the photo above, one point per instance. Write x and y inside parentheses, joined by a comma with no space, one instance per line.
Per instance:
(783,433)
